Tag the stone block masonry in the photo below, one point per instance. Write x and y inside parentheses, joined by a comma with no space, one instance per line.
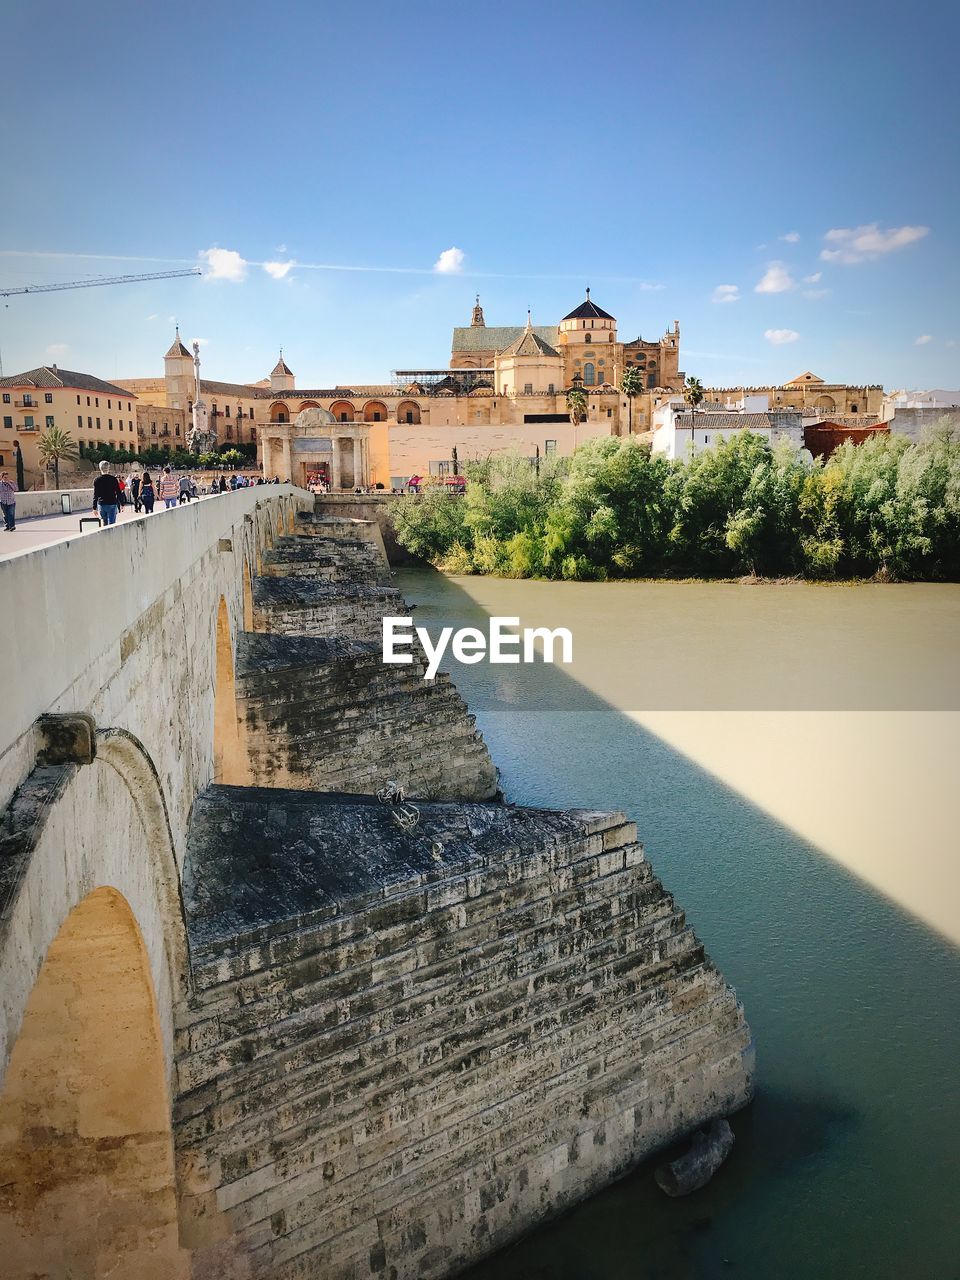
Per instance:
(303,607)
(406,1047)
(329,715)
(389,1049)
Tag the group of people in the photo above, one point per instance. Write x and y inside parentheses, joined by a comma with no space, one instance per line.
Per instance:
(111,492)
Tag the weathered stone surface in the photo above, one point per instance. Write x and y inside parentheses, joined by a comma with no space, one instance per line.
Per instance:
(326,559)
(329,715)
(299,606)
(472,1024)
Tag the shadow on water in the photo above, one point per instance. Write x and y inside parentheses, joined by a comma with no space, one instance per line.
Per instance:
(844,1165)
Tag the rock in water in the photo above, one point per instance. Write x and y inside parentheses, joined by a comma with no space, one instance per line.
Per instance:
(694,1169)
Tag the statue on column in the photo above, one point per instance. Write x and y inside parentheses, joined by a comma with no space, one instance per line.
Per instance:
(201,438)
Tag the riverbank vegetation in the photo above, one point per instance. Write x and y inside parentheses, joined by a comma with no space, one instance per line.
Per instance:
(883,509)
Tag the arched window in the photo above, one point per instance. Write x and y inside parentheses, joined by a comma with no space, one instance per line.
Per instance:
(588,337)
(589,374)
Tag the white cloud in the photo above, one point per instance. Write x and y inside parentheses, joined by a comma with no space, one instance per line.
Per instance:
(224,264)
(814,279)
(278,269)
(780,336)
(776,280)
(450,262)
(57,349)
(859,244)
(726,293)
(153,316)
(792,237)
(923,339)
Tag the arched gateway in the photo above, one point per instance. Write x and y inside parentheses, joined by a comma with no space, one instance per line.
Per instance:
(316,444)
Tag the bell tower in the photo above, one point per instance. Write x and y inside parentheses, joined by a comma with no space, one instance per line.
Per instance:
(477,320)
(178,374)
(281,376)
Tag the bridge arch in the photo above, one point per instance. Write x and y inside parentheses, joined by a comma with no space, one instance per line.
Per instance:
(85,1135)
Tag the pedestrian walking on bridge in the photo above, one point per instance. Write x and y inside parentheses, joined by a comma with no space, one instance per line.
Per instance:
(107,495)
(8,501)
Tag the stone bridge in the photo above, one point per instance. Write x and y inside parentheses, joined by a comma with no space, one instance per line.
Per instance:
(253,1022)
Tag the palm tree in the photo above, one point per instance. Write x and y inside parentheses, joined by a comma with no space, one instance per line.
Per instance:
(631,384)
(56,446)
(693,394)
(576,407)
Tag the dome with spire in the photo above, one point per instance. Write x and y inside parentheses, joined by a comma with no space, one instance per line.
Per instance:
(588,310)
(529,343)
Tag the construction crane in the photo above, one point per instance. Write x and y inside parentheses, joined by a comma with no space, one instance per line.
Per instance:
(86,284)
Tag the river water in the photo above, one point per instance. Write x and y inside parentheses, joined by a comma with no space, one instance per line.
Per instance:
(790,755)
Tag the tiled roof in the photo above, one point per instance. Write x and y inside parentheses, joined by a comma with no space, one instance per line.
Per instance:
(530,344)
(802,379)
(588,311)
(177,348)
(741,421)
(281,367)
(50,377)
(229,389)
(477,338)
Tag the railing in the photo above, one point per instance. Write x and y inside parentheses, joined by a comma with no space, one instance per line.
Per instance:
(26,404)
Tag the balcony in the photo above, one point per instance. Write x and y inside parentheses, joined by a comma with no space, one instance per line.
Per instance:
(27,405)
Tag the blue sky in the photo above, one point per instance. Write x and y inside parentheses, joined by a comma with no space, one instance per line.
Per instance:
(656,152)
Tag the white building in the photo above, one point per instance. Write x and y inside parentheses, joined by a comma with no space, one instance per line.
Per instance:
(675,426)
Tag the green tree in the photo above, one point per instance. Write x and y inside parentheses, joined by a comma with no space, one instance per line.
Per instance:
(631,384)
(56,446)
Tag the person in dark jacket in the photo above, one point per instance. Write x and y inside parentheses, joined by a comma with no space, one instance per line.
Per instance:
(135,490)
(148,494)
(107,495)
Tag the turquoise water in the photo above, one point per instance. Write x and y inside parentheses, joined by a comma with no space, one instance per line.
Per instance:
(846,1163)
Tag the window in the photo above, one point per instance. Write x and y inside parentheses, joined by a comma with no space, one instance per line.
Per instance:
(652,380)
(601,362)
(528,388)
(550,389)
(588,338)
(177,431)
(49,419)
(6,397)
(7,421)
(48,397)
(110,424)
(589,374)
(28,422)
(97,405)
(376,416)
(854,409)
(88,402)
(89,423)
(409,417)
(28,399)
(226,410)
(110,406)
(549,446)
(153,428)
(78,399)
(80,421)
(98,424)
(609,413)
